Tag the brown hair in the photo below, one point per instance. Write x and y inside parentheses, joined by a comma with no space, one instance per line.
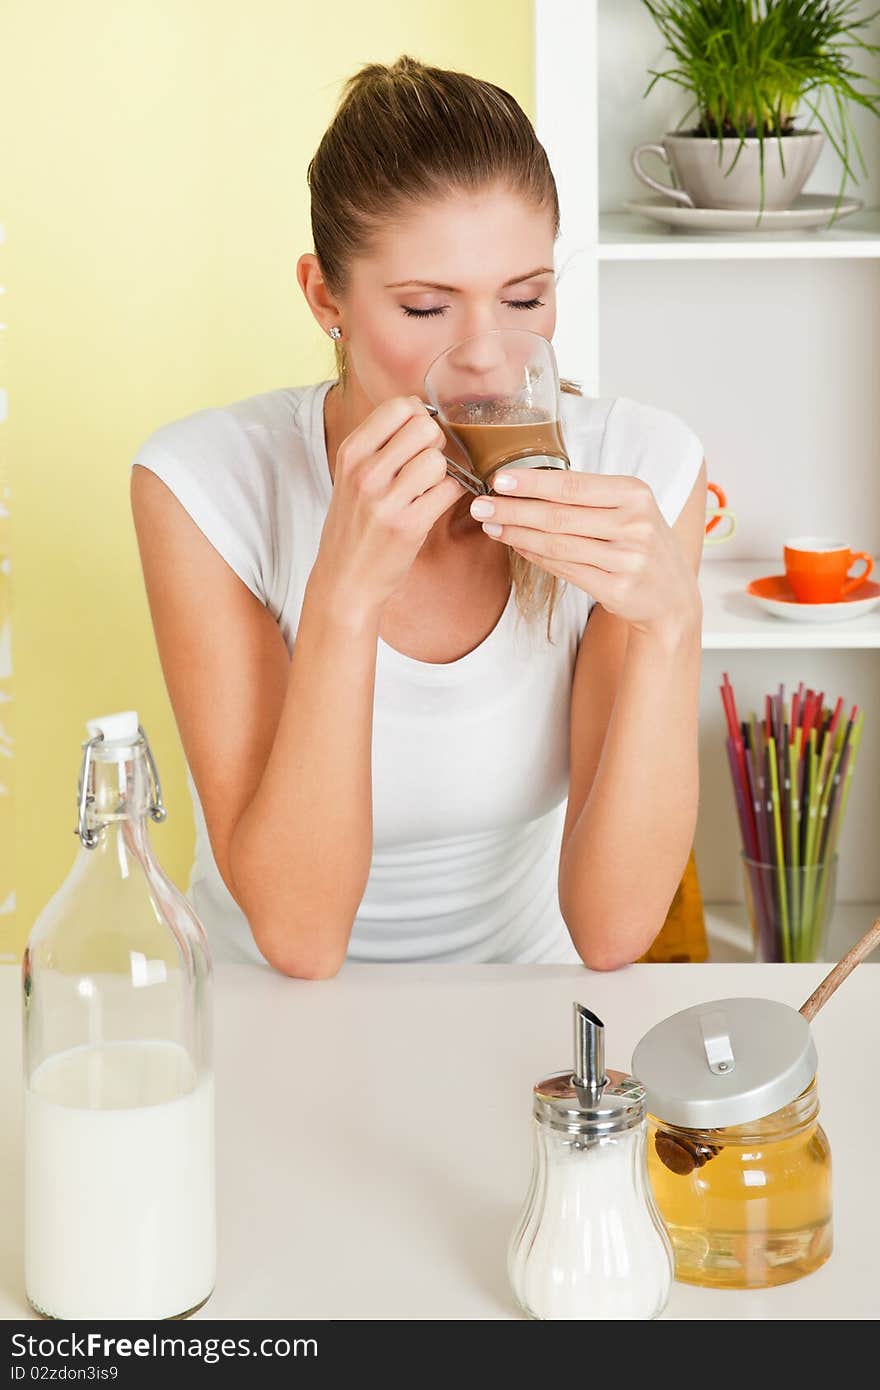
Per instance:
(404,134)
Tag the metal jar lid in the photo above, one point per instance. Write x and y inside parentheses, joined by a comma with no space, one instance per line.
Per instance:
(725,1062)
(562,1105)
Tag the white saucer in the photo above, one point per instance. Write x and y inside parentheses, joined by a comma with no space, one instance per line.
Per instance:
(809,210)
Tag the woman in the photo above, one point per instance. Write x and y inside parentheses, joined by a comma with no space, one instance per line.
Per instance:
(405,740)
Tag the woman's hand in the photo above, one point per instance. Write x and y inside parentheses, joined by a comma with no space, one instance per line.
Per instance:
(604,533)
(390,486)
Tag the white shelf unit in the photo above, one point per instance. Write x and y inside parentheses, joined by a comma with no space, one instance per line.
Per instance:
(628,236)
(767,344)
(733,621)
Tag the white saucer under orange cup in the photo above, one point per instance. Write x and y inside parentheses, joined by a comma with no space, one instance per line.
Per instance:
(817,585)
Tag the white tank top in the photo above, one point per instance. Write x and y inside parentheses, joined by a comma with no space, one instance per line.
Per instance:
(470,758)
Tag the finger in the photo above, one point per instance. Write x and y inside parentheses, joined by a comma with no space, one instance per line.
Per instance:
(602,523)
(577,550)
(569,485)
(592,580)
(419,432)
(415,477)
(431,505)
(382,425)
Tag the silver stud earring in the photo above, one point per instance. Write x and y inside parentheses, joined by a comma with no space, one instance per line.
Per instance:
(335,332)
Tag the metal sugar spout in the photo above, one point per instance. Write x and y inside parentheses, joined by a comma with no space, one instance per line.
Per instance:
(589,1078)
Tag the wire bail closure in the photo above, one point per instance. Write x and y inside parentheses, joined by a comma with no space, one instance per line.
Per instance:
(91,837)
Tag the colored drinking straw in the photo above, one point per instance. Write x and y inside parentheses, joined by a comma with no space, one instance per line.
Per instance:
(794,814)
(745,826)
(835,778)
(857,721)
(858,724)
(780,857)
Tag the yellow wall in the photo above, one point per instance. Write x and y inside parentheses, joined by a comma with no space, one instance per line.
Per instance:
(155,205)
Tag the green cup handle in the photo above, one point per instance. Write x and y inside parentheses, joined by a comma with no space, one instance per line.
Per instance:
(713,538)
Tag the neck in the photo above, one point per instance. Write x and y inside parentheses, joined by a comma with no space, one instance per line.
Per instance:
(118,791)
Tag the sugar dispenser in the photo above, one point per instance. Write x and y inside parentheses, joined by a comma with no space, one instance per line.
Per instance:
(589,1243)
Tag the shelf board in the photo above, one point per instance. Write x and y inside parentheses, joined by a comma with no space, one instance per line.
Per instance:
(626,236)
(729,938)
(733,621)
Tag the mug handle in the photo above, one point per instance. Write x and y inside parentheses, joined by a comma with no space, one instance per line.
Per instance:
(731,518)
(722,502)
(677,194)
(467,480)
(859,579)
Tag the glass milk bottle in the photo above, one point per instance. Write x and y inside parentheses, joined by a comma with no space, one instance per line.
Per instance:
(590,1243)
(119,1101)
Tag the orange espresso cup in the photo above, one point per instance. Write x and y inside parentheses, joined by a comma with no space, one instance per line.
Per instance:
(817,568)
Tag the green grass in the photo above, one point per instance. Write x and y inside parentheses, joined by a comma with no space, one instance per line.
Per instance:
(750,65)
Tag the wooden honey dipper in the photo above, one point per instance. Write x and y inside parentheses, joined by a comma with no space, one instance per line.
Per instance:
(682,1155)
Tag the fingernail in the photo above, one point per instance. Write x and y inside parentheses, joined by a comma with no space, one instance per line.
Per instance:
(504,482)
(481,508)
(492,528)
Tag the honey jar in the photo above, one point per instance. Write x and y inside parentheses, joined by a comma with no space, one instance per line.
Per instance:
(738,1163)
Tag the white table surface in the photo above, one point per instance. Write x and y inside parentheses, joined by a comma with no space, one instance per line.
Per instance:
(373,1132)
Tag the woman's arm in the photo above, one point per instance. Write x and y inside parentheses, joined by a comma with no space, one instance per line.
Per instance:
(300,853)
(634,787)
(634,772)
(279,749)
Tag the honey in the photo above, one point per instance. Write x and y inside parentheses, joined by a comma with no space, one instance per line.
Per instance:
(757,1210)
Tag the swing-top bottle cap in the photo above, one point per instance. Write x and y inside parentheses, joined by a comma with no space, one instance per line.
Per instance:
(115,726)
(116,739)
(120,732)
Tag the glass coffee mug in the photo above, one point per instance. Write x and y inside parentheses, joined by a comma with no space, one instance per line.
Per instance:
(496,398)
(715,514)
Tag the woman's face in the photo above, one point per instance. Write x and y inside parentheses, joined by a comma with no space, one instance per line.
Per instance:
(446,271)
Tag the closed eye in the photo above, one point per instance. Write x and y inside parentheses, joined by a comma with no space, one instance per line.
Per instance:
(441,309)
(423,313)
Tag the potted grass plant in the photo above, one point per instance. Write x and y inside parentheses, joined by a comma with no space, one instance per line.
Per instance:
(750,67)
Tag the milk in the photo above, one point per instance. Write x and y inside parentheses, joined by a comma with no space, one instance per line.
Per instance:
(119,1183)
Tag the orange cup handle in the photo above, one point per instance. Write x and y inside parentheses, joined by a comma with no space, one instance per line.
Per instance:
(722,502)
(859,579)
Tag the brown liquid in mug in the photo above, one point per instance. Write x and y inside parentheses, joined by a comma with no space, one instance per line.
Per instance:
(493,434)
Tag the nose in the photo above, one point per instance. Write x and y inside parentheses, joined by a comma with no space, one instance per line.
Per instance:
(482,361)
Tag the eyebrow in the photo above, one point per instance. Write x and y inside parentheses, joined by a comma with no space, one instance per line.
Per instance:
(451,289)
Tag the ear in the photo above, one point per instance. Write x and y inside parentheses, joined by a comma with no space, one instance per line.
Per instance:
(314,287)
